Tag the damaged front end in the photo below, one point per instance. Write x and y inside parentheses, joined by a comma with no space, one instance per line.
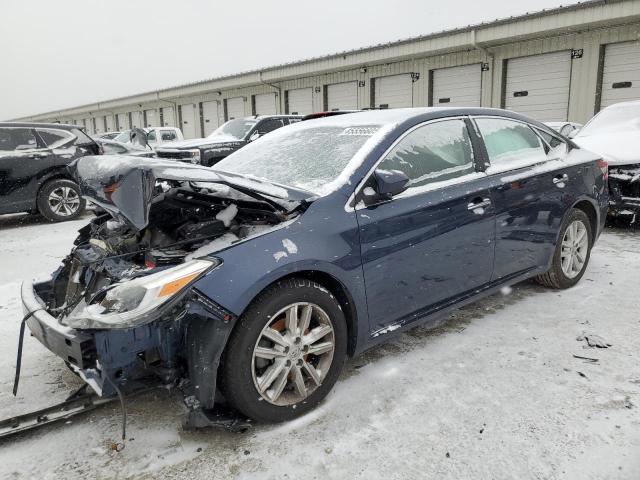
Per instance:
(124,304)
(624,191)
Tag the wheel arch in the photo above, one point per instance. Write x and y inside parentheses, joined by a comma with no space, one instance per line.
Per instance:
(337,289)
(51,176)
(591,212)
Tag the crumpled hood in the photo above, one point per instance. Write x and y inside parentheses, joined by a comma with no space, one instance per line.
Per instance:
(124,185)
(198,142)
(617,148)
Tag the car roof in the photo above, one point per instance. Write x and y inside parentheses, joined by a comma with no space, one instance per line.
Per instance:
(61,126)
(399,116)
(261,117)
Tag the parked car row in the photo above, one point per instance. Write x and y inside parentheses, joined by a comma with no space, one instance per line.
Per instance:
(249,283)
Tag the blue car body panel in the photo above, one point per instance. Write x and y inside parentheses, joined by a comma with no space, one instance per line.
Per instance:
(400,262)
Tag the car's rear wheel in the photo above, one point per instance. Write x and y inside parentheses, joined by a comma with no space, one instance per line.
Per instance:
(572,253)
(286,352)
(60,200)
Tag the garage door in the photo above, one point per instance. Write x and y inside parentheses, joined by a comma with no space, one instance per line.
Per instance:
(342,96)
(457,86)
(621,73)
(111,127)
(210,116)
(300,101)
(538,86)
(88,125)
(395,91)
(235,108)
(151,118)
(168,117)
(136,119)
(189,126)
(99,124)
(123,121)
(265,104)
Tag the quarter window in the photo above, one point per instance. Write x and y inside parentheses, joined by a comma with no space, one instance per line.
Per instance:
(55,138)
(433,153)
(510,144)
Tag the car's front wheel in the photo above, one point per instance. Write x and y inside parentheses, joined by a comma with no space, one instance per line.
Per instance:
(572,253)
(60,200)
(286,352)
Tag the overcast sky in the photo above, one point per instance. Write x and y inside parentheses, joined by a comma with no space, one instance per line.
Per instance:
(64,53)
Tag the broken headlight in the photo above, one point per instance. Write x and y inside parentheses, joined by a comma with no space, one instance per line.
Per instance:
(126,304)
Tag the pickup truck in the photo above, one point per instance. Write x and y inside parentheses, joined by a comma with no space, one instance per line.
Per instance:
(229,137)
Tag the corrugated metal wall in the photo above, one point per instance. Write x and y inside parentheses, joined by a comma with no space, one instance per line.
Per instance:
(419,58)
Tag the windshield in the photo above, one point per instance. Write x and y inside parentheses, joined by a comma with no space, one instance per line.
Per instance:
(122,137)
(306,158)
(237,128)
(613,119)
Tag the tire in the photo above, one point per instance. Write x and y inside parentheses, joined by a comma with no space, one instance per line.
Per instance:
(242,371)
(59,200)
(557,277)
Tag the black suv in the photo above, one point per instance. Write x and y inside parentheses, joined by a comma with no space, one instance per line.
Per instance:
(228,138)
(33,168)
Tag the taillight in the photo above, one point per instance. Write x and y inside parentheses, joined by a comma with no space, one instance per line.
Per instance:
(603,165)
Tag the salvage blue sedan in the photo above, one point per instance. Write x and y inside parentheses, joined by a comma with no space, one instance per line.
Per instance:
(249,284)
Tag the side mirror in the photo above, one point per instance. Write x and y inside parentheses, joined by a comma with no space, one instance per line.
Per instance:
(254,136)
(137,136)
(573,133)
(389,183)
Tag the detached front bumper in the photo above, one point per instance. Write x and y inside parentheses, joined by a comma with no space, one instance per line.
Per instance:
(73,346)
(102,358)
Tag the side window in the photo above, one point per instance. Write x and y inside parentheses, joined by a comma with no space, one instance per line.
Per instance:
(510,143)
(294,120)
(167,135)
(15,139)
(55,138)
(433,153)
(269,125)
(151,136)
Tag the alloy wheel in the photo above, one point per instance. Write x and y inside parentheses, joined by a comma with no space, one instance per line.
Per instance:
(64,201)
(575,246)
(293,354)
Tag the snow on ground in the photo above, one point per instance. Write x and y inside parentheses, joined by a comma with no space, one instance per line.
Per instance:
(495,393)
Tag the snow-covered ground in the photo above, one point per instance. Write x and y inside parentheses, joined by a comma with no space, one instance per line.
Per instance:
(495,394)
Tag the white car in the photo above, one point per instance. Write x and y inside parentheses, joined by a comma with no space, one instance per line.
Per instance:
(614,133)
(156,136)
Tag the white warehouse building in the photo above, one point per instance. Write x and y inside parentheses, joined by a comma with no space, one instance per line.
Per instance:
(554,65)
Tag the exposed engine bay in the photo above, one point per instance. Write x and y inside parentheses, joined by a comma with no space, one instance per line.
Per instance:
(183,220)
(624,190)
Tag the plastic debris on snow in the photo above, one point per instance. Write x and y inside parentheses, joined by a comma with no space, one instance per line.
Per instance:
(594,341)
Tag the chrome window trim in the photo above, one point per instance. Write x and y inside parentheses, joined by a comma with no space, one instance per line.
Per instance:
(348,205)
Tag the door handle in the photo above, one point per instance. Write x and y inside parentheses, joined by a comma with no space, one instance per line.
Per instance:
(479,203)
(560,178)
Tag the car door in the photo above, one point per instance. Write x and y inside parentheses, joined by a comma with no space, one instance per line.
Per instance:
(527,180)
(22,159)
(433,243)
